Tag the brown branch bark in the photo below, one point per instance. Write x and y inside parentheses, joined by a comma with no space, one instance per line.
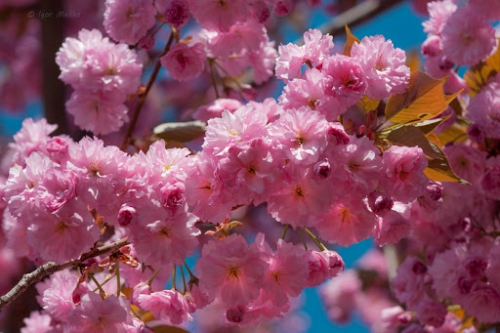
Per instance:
(358,15)
(142,98)
(53,90)
(51,267)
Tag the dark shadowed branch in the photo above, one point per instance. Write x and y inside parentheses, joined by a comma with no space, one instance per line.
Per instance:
(53,89)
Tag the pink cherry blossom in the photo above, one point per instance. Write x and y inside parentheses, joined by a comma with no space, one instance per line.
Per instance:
(70,228)
(483,302)
(291,58)
(323,265)
(345,79)
(175,12)
(439,12)
(127,21)
(404,177)
(409,282)
(94,63)
(238,127)
(466,161)
(33,136)
(339,295)
(37,323)
(310,92)
(97,315)
(161,238)
(384,66)
(489,10)
(98,113)
(166,304)
(184,62)
(390,228)
(298,198)
(346,222)
(287,273)
(219,15)
(231,271)
(214,109)
(56,294)
(431,312)
(466,38)
(301,134)
(483,109)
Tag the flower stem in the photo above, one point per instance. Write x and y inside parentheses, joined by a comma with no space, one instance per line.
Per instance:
(212,74)
(174,275)
(153,277)
(118,282)
(302,238)
(142,97)
(284,231)
(315,240)
(183,279)
(101,291)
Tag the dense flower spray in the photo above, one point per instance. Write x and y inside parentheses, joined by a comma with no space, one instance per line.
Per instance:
(355,146)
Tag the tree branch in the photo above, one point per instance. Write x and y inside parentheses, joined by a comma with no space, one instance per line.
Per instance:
(357,15)
(53,89)
(142,97)
(51,267)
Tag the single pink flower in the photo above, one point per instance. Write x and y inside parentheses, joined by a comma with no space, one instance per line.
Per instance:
(467,38)
(175,12)
(95,315)
(384,66)
(184,62)
(127,21)
(404,178)
(231,271)
(344,79)
(390,229)
(346,222)
(166,304)
(37,323)
(219,14)
(439,12)
(323,265)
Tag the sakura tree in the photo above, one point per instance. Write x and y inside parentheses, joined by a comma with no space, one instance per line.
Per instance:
(225,208)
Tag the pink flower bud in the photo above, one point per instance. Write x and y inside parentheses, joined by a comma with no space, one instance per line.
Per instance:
(126,215)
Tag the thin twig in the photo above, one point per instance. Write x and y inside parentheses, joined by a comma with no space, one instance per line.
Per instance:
(51,267)
(302,238)
(284,231)
(142,98)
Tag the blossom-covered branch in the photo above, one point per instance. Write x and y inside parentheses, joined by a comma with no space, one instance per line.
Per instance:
(49,268)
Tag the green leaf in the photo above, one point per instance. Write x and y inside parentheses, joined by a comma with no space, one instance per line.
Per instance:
(180,132)
(351,39)
(168,329)
(424,99)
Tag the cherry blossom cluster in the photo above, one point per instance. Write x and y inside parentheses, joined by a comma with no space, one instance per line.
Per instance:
(316,159)
(295,158)
(101,73)
(448,277)
(460,36)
